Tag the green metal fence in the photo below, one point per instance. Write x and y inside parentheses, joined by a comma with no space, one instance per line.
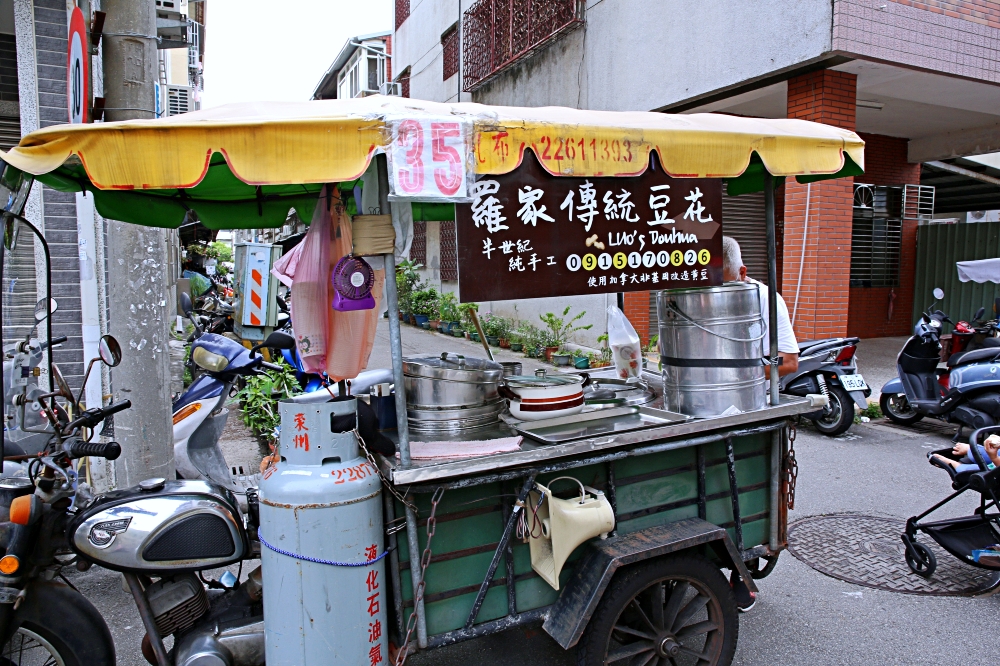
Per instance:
(939,247)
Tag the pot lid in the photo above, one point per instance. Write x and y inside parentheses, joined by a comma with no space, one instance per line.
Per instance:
(453,367)
(542,381)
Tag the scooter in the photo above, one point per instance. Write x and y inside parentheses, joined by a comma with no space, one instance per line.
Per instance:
(966,393)
(829,367)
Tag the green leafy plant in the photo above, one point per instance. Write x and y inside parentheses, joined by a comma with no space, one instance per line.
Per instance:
(448,307)
(559,329)
(605,355)
(873,411)
(425,302)
(214,250)
(407,283)
(496,326)
(653,340)
(260,395)
(466,318)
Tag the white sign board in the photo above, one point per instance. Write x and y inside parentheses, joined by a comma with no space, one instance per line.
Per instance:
(428,157)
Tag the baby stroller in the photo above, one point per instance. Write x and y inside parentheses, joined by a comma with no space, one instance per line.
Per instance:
(972,539)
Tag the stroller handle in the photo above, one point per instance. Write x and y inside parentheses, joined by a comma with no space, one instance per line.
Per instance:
(976,438)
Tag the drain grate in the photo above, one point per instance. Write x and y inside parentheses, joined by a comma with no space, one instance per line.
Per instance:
(868,551)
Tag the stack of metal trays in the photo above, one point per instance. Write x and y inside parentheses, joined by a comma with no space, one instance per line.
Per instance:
(451,393)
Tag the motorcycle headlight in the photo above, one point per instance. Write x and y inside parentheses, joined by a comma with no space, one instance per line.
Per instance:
(206,359)
(935,323)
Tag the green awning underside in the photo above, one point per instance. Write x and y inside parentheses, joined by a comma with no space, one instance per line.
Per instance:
(223,201)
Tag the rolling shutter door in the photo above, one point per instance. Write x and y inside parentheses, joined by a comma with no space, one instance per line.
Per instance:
(10,132)
(743,219)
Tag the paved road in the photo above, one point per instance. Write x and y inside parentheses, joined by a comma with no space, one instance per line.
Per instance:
(803,617)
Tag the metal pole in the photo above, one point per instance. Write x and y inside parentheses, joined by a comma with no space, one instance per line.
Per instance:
(772,284)
(138,262)
(396,347)
(777,456)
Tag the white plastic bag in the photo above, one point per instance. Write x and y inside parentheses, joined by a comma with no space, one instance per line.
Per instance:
(626,349)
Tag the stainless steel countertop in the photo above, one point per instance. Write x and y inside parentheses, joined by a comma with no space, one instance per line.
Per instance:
(427,471)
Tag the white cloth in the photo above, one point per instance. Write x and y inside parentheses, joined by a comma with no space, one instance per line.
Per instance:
(982,270)
(786,336)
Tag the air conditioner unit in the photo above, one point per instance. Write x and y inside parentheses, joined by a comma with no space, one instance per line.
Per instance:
(390,88)
(177,100)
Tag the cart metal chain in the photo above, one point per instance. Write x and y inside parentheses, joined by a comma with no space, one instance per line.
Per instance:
(790,470)
(425,560)
(385,481)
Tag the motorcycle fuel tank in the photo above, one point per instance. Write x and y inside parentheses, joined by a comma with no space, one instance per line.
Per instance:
(161,526)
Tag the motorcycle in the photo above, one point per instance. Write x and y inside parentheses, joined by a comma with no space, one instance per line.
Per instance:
(829,367)
(160,534)
(967,392)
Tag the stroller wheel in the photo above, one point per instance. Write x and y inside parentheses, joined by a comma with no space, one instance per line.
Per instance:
(920,559)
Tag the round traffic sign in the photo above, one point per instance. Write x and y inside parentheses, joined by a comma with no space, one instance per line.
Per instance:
(76,68)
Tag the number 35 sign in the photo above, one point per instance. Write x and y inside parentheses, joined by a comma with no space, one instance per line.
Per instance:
(429,159)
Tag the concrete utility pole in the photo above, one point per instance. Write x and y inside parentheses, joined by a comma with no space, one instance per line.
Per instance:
(138,264)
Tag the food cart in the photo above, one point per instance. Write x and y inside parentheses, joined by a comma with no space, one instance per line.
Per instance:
(689,496)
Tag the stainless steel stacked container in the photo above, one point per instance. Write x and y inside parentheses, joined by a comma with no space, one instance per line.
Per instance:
(711,349)
(451,393)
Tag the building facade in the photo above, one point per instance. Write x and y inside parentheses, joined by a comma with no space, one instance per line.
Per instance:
(919,82)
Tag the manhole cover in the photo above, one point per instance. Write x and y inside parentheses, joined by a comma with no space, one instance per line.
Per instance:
(867,550)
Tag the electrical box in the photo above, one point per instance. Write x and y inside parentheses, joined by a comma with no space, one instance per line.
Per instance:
(256,290)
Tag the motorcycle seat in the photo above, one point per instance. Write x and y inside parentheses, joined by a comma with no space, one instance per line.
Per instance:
(974,356)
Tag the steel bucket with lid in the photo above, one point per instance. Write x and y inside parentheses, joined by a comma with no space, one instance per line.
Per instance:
(712,349)
(451,392)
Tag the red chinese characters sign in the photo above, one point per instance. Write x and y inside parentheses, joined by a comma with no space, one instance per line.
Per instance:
(528,234)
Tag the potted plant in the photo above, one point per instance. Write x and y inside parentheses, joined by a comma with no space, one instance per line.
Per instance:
(562,357)
(581,361)
(407,283)
(425,304)
(495,328)
(559,329)
(448,312)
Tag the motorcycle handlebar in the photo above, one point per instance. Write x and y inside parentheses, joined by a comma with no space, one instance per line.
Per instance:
(92,417)
(270,366)
(81,449)
(53,342)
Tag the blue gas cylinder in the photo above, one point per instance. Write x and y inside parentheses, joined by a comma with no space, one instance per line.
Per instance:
(320,523)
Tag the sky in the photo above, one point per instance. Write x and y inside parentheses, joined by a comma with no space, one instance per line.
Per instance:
(267,50)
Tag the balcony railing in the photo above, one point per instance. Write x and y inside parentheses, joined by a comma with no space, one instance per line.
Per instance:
(499,33)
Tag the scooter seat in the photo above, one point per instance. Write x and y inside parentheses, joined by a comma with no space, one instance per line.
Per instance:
(974,356)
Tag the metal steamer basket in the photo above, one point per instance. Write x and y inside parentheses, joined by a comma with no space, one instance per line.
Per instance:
(711,348)
(451,393)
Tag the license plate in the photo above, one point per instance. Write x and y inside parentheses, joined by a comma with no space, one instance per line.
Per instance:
(853,382)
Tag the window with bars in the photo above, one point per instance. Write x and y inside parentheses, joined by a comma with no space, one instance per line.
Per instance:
(404,82)
(418,249)
(876,235)
(449,48)
(449,251)
(402,12)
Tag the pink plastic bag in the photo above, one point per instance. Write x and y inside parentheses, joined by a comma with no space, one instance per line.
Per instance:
(350,335)
(284,268)
(310,290)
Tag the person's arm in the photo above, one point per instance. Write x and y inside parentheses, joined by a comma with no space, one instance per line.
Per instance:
(992,446)
(788,346)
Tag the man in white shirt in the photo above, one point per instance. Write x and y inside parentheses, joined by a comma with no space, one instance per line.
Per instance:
(733,270)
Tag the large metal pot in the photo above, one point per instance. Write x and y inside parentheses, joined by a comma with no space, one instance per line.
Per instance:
(451,392)
(711,348)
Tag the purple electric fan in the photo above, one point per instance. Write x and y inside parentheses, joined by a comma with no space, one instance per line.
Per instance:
(352,285)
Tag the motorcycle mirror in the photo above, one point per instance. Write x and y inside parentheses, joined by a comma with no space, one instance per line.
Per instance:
(43,308)
(186,305)
(109,350)
(979,314)
(938,293)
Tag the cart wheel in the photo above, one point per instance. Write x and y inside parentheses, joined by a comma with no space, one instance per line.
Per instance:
(677,611)
(925,562)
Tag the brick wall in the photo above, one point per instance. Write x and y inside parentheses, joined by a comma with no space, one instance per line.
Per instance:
(952,37)
(870,315)
(637,311)
(824,96)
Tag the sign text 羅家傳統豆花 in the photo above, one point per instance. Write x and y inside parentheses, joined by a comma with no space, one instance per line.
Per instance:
(528,234)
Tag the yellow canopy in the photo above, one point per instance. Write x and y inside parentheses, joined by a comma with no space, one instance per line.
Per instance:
(268,154)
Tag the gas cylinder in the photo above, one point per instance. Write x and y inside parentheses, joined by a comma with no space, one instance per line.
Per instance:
(320,518)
